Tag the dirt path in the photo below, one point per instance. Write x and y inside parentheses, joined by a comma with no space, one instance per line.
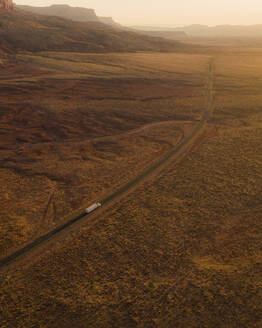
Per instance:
(37,247)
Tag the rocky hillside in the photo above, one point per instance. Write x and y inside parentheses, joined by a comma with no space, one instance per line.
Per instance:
(6,5)
(109,21)
(79,14)
(74,13)
(21,31)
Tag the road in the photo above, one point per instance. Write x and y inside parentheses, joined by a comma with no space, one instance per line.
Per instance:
(175,153)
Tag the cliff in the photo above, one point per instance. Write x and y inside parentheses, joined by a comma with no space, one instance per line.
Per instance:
(74,13)
(108,21)
(6,5)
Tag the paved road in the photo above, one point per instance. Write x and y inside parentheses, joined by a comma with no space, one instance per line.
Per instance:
(177,151)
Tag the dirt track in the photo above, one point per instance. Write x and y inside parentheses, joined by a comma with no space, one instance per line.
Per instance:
(101,138)
(41,243)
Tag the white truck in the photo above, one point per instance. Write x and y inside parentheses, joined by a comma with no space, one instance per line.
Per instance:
(93,207)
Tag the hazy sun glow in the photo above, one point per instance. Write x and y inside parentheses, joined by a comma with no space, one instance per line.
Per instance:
(169,11)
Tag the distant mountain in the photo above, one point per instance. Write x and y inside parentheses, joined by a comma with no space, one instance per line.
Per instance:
(20,30)
(222,30)
(88,15)
(199,30)
(154,28)
(74,13)
(160,32)
(172,35)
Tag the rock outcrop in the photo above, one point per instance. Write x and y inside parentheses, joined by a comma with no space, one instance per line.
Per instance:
(108,21)
(6,5)
(65,11)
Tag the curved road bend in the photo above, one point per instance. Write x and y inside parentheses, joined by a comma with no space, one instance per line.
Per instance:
(178,150)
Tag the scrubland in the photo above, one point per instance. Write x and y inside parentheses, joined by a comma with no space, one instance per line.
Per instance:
(75,127)
(184,248)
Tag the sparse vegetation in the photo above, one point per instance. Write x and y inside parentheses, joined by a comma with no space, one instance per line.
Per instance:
(86,135)
(184,249)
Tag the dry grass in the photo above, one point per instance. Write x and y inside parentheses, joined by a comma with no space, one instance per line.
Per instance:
(139,65)
(183,250)
(70,138)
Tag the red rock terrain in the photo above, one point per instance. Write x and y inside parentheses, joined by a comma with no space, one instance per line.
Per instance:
(6,5)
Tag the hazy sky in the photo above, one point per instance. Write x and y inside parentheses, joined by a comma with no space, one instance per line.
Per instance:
(169,12)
